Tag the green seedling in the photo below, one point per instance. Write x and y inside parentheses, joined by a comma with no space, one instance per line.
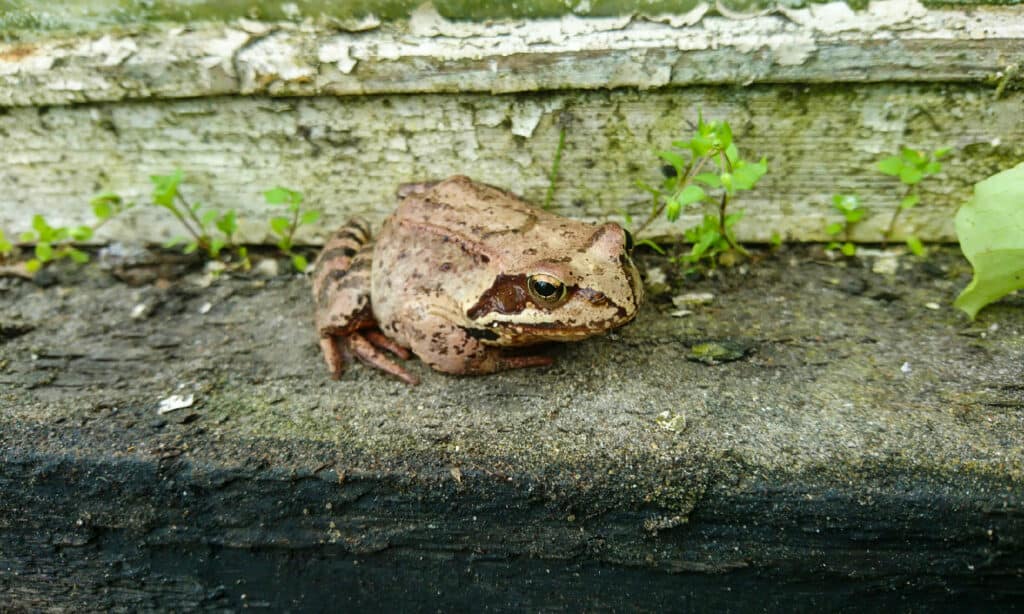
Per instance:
(911,166)
(52,243)
(284,227)
(848,205)
(209,230)
(705,171)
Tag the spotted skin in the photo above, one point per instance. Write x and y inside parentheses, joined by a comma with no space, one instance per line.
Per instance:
(465,276)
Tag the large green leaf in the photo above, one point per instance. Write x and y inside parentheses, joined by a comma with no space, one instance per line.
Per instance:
(990,227)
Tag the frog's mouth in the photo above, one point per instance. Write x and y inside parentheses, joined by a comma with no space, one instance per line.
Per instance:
(519,333)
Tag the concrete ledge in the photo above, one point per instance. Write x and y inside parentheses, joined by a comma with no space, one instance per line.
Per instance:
(865,449)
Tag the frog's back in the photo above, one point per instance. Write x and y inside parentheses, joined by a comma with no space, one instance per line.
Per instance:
(476,211)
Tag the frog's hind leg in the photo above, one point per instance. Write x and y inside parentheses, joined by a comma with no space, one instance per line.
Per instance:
(366,352)
(341,291)
(378,339)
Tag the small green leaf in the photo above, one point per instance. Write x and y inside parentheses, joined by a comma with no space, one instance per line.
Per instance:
(173,241)
(228,223)
(732,154)
(676,160)
(44,252)
(832,246)
(892,165)
(732,218)
(40,225)
(281,195)
(932,168)
(81,233)
(102,210)
(854,216)
(208,217)
(78,256)
(216,244)
(33,265)
(701,144)
(746,175)
(690,194)
(941,152)
(300,263)
(915,246)
(776,239)
(106,205)
(834,228)
(285,244)
(911,175)
(912,156)
(653,191)
(709,179)
(165,188)
(848,249)
(280,225)
(309,217)
(672,210)
(27,237)
(651,244)
(190,247)
(909,201)
(724,134)
(5,246)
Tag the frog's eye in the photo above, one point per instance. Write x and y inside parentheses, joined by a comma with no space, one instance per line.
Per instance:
(629,240)
(545,289)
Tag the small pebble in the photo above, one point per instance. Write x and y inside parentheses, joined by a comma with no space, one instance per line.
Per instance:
(692,298)
(268,267)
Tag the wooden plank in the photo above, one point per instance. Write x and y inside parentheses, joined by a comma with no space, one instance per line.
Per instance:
(894,40)
(349,154)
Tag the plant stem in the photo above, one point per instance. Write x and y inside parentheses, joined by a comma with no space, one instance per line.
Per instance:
(201,239)
(895,216)
(682,183)
(722,230)
(554,169)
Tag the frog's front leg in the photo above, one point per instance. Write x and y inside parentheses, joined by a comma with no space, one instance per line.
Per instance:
(452,348)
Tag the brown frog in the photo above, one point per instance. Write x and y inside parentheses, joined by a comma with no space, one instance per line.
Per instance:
(461,272)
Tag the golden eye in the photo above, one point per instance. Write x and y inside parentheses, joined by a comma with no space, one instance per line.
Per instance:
(545,289)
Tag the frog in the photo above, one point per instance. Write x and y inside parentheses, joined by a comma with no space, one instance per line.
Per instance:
(469,278)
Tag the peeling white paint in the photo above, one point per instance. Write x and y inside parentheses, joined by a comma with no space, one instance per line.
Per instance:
(271,59)
(836,17)
(110,51)
(498,56)
(338,52)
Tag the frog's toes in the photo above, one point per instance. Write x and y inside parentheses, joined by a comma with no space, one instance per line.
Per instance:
(366,352)
(378,339)
(332,356)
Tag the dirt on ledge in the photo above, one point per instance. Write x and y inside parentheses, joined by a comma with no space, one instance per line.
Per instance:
(813,417)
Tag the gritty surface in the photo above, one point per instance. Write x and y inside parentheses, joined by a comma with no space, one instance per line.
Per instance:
(845,368)
(848,381)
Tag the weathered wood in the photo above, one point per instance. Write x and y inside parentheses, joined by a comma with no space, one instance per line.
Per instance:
(827,93)
(895,40)
(348,155)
